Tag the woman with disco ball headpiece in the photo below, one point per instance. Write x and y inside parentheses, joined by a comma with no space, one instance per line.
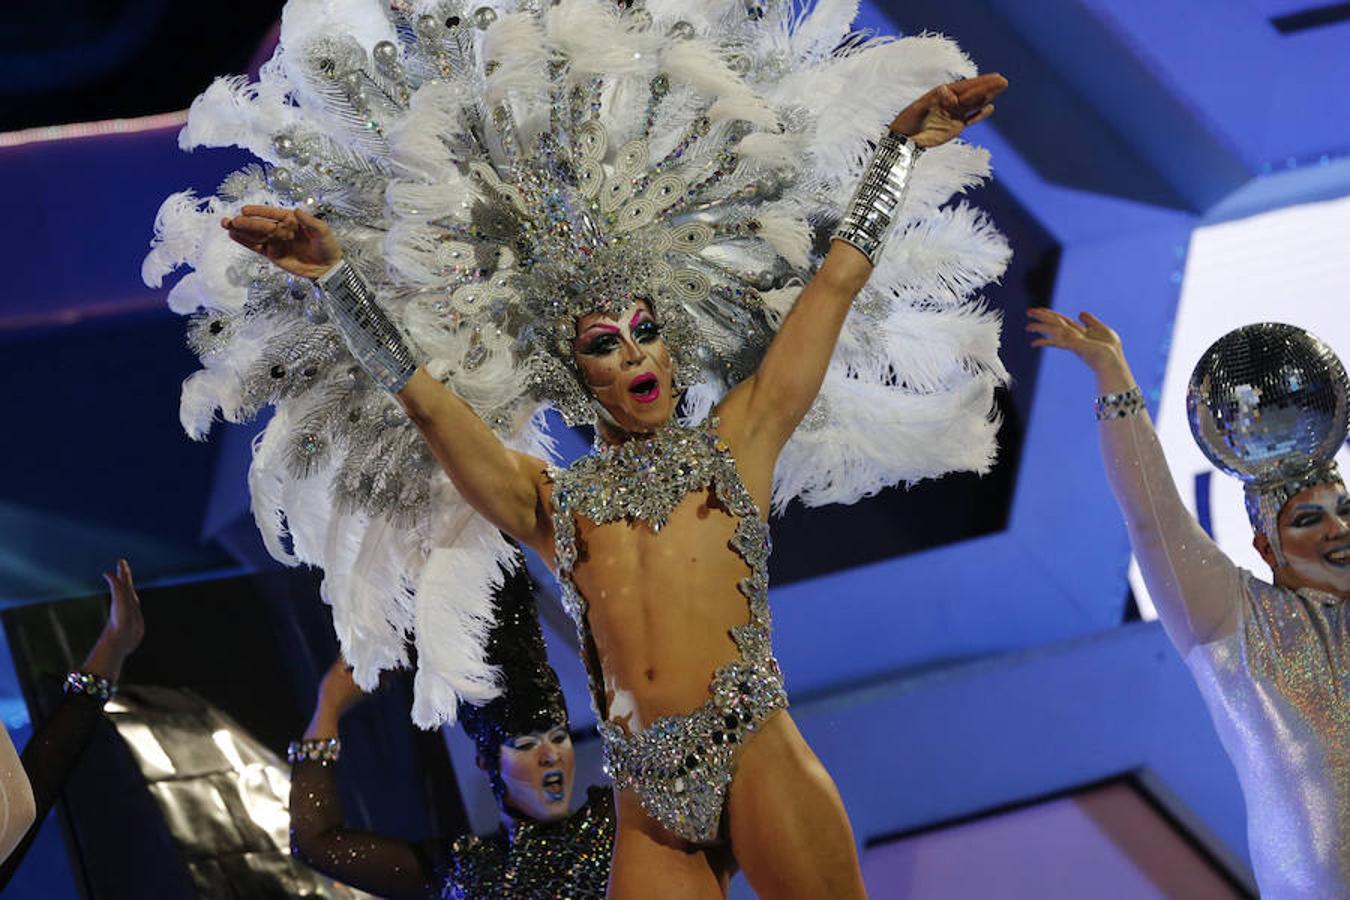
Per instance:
(1267,403)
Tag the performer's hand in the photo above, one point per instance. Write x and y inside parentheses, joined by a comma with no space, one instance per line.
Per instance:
(1090,339)
(292,238)
(945,111)
(125,628)
(337,694)
(338,691)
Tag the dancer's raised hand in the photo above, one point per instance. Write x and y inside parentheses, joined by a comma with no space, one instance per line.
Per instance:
(292,238)
(945,111)
(1090,339)
(125,628)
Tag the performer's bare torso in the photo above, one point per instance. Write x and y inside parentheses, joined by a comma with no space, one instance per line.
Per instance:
(660,607)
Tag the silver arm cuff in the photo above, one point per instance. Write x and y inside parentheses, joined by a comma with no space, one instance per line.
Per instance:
(370,335)
(879,195)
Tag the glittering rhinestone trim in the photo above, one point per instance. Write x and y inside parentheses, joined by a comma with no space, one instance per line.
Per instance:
(645,479)
(879,195)
(321,750)
(1119,406)
(681,766)
(91,685)
(370,335)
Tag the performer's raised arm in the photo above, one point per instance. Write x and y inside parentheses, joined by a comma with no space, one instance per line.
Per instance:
(767,406)
(1192,583)
(501,484)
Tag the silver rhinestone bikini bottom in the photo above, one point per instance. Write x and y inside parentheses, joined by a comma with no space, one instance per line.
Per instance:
(681,766)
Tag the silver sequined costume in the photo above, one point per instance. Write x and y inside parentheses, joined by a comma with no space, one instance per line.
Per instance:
(1275,675)
(679,766)
(1278,689)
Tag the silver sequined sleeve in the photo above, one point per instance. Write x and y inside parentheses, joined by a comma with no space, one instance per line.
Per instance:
(1193,584)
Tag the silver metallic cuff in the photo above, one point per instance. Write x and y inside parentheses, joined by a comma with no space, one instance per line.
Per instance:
(320,750)
(92,685)
(370,335)
(879,195)
(1118,406)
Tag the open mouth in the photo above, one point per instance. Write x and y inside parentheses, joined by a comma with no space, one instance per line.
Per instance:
(553,785)
(645,388)
(1340,557)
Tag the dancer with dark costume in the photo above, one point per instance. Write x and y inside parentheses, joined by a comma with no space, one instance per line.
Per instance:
(1268,404)
(30,786)
(542,850)
(604,212)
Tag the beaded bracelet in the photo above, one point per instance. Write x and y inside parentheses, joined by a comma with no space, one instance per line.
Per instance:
(1118,406)
(89,684)
(320,750)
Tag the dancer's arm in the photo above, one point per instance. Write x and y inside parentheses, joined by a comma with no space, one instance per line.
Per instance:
(502,485)
(320,838)
(766,408)
(1194,586)
(58,743)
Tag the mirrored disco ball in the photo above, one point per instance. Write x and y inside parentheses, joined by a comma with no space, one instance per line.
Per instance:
(1267,400)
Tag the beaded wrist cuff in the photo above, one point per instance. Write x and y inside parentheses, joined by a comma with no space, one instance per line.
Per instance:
(93,685)
(370,335)
(879,195)
(324,750)
(1118,406)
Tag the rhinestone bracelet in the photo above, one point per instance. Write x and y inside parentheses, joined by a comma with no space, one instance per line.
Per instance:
(879,195)
(1118,406)
(92,685)
(370,335)
(320,750)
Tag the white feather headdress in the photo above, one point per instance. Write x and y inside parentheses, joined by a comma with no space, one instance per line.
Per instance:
(495,170)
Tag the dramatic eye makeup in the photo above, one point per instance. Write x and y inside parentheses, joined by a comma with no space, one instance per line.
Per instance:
(525,742)
(598,340)
(1304,517)
(558,735)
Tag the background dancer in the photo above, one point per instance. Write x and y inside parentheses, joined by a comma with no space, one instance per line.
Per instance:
(1268,403)
(542,850)
(58,743)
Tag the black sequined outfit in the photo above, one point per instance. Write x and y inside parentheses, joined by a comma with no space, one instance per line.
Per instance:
(680,767)
(564,859)
(567,859)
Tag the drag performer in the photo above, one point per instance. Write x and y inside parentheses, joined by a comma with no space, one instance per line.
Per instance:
(606,211)
(57,745)
(542,850)
(1267,403)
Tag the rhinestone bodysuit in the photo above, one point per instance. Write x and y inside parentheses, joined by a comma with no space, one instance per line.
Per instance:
(680,767)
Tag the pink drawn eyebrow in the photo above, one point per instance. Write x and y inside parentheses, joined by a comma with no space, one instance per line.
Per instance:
(601,327)
(637,315)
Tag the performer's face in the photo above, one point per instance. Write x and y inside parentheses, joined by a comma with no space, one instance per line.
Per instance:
(1315,537)
(624,362)
(537,769)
